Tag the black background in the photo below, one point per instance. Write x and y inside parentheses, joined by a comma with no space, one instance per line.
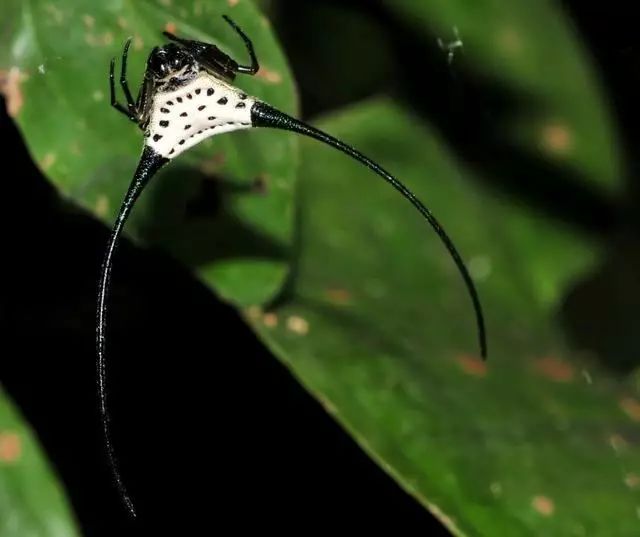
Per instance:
(212,432)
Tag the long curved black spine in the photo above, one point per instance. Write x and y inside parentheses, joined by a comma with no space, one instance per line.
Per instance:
(264,115)
(150,163)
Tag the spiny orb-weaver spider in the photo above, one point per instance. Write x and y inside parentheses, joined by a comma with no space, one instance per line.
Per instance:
(186,96)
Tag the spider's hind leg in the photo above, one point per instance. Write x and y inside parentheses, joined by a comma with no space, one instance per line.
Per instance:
(255,66)
(214,59)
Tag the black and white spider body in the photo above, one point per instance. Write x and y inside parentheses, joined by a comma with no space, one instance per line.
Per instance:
(200,107)
(186,96)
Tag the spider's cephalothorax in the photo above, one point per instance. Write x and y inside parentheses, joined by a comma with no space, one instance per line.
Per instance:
(187,96)
(170,67)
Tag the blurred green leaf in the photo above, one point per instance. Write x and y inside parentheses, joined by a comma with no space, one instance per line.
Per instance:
(32,502)
(58,92)
(378,326)
(530,49)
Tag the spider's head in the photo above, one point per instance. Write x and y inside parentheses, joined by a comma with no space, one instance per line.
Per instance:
(171,65)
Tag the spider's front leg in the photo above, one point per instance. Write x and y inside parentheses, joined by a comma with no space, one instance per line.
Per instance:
(136,110)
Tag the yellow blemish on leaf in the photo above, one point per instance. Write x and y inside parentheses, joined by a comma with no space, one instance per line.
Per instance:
(10,87)
(56,14)
(496,489)
(98,95)
(618,443)
(88,20)
(270,320)
(273,77)
(165,3)
(232,3)
(472,365)
(253,312)
(138,43)
(631,407)
(122,23)
(543,505)
(48,160)
(556,138)
(298,325)
(10,447)
(102,206)
(101,40)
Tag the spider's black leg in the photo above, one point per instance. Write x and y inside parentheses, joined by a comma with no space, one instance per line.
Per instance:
(255,66)
(149,164)
(143,103)
(112,88)
(133,111)
(263,115)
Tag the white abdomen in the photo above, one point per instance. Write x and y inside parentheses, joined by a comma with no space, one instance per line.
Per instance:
(204,107)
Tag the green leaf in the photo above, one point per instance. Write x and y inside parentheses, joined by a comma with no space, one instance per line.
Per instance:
(31,499)
(531,50)
(58,71)
(378,326)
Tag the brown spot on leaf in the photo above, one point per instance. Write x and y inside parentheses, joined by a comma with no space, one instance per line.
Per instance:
(270,320)
(270,76)
(631,407)
(556,138)
(10,447)
(618,443)
(171,27)
(543,505)
(555,369)
(472,365)
(632,481)
(338,296)
(212,165)
(47,161)
(232,3)
(10,82)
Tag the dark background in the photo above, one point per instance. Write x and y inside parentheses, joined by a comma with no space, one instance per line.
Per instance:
(212,431)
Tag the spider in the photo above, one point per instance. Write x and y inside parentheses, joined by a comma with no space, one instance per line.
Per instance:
(186,96)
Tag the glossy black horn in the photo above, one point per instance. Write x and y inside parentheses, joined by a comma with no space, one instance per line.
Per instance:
(150,163)
(263,115)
